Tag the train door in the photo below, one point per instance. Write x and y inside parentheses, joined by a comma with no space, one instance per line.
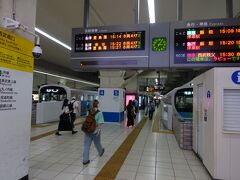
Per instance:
(200,120)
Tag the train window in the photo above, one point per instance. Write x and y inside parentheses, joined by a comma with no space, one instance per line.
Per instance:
(90,98)
(52,93)
(82,98)
(184,100)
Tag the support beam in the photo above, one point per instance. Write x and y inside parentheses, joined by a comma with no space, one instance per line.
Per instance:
(136,11)
(179,10)
(229,9)
(86,14)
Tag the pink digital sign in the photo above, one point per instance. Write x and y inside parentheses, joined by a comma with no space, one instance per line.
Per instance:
(129,97)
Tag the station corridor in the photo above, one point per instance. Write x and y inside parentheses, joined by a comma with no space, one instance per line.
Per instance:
(152,155)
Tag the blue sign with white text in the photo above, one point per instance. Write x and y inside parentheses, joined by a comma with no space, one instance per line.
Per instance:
(116,93)
(208,94)
(236,77)
(101,92)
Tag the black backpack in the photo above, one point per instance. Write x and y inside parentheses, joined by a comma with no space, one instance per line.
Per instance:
(70,106)
(90,125)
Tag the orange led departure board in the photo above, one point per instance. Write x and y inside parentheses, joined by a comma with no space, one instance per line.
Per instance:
(116,41)
(207,45)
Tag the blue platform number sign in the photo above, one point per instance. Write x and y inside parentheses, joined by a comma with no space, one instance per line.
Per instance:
(208,94)
(236,77)
(101,92)
(116,93)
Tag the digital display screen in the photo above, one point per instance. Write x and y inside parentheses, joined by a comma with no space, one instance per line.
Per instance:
(116,41)
(207,45)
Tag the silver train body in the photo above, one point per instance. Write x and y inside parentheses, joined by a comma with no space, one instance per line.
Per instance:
(176,114)
(51,98)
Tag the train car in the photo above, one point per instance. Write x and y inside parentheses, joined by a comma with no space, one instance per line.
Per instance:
(177,107)
(51,97)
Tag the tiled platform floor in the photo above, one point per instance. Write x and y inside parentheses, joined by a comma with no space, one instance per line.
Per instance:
(153,156)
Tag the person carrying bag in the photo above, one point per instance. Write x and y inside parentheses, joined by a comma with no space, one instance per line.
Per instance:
(92,132)
(65,119)
(131,115)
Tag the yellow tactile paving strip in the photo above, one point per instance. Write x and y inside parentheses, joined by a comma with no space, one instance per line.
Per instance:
(111,168)
(156,124)
(42,125)
(34,138)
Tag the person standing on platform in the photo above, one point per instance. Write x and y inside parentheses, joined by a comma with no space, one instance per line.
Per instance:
(73,108)
(96,135)
(135,104)
(151,109)
(157,101)
(130,114)
(65,119)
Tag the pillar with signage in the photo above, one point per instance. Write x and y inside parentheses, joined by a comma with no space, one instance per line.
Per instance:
(16,77)
(112,95)
(112,103)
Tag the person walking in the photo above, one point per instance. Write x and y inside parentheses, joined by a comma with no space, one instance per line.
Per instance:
(151,109)
(95,136)
(135,104)
(73,108)
(65,119)
(130,114)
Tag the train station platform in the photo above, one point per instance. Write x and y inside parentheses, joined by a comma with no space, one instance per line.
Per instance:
(130,154)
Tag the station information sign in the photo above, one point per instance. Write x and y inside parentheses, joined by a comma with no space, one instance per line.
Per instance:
(115,41)
(206,43)
(110,47)
(215,44)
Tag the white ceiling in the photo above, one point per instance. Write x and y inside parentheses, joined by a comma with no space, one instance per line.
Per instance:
(58,17)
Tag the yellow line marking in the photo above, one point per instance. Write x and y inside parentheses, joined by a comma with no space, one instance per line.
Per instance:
(42,125)
(165,132)
(34,138)
(156,124)
(111,168)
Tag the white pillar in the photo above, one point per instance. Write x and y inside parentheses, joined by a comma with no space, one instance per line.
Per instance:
(111,78)
(112,95)
(16,74)
(25,12)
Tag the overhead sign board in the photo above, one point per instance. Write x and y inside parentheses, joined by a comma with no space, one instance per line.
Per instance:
(115,41)
(110,47)
(205,43)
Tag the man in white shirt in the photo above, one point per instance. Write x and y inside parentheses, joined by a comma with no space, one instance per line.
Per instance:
(74,108)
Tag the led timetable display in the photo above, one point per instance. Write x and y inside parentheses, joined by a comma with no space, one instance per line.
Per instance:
(207,45)
(116,41)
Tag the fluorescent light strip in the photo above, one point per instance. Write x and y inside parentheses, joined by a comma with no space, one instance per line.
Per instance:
(81,81)
(52,38)
(151,11)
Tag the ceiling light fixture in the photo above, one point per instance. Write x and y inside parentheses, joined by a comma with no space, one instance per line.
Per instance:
(54,75)
(52,38)
(151,11)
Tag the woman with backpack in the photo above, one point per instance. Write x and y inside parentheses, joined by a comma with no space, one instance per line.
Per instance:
(130,114)
(65,119)
(92,132)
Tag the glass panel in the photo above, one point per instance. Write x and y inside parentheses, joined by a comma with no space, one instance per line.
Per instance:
(184,100)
